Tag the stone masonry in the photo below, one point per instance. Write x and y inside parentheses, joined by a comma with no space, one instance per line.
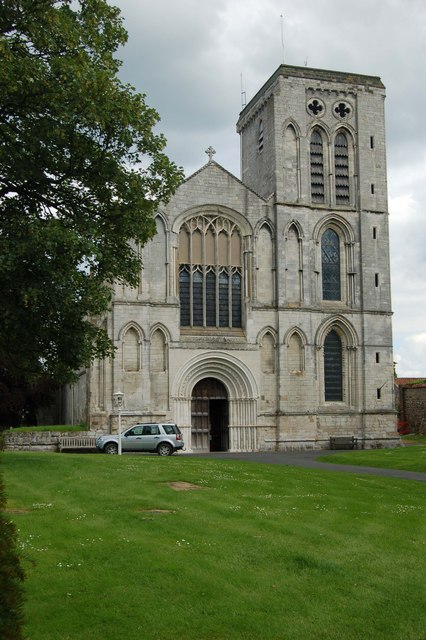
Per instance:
(248,329)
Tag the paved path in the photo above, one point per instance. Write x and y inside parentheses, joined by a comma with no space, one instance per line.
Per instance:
(308,459)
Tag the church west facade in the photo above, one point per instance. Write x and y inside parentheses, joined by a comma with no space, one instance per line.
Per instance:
(262,320)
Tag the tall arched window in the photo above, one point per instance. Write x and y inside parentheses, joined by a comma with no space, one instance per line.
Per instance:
(158,352)
(131,350)
(295,354)
(265,265)
(267,354)
(333,378)
(210,272)
(317,168)
(290,164)
(158,371)
(341,169)
(330,261)
(268,390)
(293,265)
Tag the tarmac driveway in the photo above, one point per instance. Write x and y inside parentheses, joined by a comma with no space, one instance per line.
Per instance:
(308,460)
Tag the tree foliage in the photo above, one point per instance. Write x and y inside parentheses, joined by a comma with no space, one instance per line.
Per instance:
(81,171)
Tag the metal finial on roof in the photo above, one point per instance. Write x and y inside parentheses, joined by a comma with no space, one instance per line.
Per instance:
(210,152)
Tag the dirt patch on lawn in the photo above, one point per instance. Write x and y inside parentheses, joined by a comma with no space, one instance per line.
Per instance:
(17,511)
(158,511)
(184,486)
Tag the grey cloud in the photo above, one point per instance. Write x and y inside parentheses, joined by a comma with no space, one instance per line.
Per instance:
(187,57)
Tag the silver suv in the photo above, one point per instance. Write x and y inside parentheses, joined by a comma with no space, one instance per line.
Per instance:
(162,438)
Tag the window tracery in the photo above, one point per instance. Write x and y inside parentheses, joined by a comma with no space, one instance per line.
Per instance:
(210,272)
(316,107)
(330,262)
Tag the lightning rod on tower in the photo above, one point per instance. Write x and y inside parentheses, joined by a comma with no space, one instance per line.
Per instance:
(243,94)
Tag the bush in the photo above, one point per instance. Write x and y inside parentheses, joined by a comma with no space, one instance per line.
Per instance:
(403,428)
(11,576)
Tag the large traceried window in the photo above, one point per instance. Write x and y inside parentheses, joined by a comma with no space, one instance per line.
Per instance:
(317,168)
(333,378)
(210,272)
(330,262)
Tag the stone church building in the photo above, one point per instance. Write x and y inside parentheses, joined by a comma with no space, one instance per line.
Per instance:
(262,320)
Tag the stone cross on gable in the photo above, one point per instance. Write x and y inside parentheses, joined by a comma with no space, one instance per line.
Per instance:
(210,152)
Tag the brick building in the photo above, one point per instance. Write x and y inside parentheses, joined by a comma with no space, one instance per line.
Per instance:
(262,319)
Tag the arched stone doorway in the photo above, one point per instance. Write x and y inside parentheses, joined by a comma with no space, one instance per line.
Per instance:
(209,416)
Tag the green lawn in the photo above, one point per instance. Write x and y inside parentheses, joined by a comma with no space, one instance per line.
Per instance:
(412,458)
(60,427)
(417,438)
(255,552)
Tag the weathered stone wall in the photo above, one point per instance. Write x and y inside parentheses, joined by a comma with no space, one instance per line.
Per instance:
(273,365)
(412,407)
(38,440)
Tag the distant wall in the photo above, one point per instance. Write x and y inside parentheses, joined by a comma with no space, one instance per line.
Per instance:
(38,440)
(412,406)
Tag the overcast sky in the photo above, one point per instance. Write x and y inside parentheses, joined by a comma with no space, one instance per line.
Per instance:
(189,56)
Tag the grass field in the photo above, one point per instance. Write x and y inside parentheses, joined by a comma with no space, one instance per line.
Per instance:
(417,438)
(60,427)
(411,458)
(112,550)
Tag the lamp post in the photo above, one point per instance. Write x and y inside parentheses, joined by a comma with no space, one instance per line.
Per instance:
(118,400)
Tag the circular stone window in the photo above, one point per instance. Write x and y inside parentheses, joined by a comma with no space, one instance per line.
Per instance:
(342,110)
(315,107)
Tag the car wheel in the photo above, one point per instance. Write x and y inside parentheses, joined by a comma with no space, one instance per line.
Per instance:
(111,447)
(164,449)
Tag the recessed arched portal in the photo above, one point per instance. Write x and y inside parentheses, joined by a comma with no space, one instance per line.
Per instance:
(209,416)
(236,377)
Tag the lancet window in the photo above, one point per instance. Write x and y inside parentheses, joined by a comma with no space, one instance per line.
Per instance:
(333,378)
(341,169)
(330,261)
(317,168)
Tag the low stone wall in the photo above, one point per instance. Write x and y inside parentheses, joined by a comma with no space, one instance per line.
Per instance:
(38,440)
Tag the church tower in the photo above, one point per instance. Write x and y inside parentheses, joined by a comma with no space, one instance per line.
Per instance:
(313,143)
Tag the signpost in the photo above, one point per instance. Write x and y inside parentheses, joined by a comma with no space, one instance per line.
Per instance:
(118,401)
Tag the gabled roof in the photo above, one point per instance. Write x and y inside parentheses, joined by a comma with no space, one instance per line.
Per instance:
(211,163)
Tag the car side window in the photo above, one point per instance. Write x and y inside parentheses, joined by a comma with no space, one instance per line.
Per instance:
(136,431)
(151,430)
(170,429)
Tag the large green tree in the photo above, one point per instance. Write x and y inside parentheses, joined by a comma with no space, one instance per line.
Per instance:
(81,171)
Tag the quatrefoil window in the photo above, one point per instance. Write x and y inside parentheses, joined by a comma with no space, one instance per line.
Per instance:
(342,110)
(316,107)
